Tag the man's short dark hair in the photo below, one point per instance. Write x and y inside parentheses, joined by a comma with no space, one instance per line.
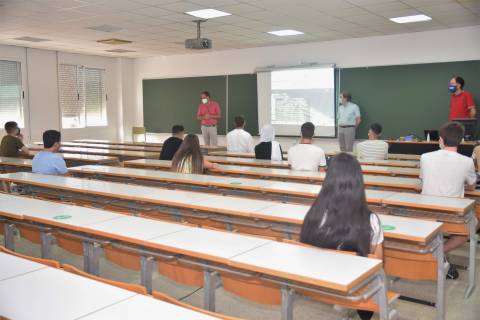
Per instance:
(452,133)
(308,130)
(239,121)
(459,80)
(10,126)
(347,95)
(376,128)
(206,93)
(178,128)
(50,137)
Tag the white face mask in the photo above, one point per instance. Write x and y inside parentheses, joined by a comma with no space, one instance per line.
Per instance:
(204,100)
(340,100)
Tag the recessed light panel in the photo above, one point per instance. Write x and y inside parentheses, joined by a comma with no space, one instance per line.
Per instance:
(208,13)
(410,19)
(285,33)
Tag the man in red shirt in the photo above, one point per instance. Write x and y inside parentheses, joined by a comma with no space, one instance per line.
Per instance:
(208,114)
(461,102)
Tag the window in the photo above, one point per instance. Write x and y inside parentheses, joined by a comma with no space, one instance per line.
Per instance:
(11,94)
(83,99)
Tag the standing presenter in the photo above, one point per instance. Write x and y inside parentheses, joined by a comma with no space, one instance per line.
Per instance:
(208,114)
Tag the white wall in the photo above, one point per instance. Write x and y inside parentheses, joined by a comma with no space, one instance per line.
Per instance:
(422,47)
(40,83)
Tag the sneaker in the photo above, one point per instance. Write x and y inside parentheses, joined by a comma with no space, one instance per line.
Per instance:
(452,273)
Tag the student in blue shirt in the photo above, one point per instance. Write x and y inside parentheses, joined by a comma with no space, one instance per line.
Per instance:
(47,161)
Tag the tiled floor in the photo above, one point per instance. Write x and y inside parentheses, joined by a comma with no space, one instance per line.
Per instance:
(457,307)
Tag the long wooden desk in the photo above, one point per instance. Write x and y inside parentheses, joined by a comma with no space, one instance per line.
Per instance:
(373,181)
(343,276)
(8,164)
(457,214)
(122,155)
(391,162)
(205,149)
(75,159)
(35,290)
(112,146)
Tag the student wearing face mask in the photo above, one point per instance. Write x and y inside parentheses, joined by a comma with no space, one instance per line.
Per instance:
(462,104)
(208,114)
(349,119)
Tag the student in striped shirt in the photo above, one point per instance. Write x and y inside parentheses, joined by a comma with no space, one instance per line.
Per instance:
(373,148)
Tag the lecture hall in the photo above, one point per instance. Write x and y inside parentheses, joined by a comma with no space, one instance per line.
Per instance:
(239,159)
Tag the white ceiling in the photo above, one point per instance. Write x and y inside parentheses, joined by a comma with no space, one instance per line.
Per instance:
(159,27)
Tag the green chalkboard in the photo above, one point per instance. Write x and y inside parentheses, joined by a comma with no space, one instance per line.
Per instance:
(242,100)
(407,98)
(175,101)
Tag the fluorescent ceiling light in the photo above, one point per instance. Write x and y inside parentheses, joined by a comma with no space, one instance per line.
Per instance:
(409,19)
(284,33)
(208,13)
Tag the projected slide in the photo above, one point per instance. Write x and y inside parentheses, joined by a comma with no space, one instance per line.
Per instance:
(301,95)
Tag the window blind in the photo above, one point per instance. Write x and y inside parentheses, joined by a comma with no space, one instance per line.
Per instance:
(11,106)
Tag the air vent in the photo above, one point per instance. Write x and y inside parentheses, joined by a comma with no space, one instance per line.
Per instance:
(114,41)
(31,39)
(119,51)
(105,28)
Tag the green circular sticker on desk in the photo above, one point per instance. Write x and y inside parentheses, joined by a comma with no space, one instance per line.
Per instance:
(237,183)
(62,217)
(388,228)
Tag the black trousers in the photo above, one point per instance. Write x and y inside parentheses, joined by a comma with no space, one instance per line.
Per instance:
(365,315)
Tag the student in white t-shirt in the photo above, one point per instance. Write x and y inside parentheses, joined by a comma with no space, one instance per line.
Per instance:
(373,148)
(447,173)
(305,156)
(340,218)
(239,140)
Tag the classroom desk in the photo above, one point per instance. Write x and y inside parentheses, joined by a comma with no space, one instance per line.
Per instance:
(75,159)
(8,164)
(56,294)
(373,181)
(111,146)
(352,272)
(421,147)
(122,155)
(205,149)
(13,267)
(391,162)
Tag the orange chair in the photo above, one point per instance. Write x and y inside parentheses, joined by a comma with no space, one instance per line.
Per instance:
(47,262)
(167,298)
(127,286)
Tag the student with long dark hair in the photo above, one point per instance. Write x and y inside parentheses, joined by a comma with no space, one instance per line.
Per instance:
(189,158)
(339,218)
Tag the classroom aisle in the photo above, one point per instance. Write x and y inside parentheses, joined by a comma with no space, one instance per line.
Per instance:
(305,309)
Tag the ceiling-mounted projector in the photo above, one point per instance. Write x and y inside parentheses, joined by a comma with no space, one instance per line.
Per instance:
(199,43)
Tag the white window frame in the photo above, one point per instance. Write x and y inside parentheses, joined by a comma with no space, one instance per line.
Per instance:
(24,123)
(104,110)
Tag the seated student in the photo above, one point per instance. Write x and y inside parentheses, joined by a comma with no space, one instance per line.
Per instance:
(171,145)
(339,218)
(268,148)
(12,144)
(476,157)
(239,140)
(305,156)
(189,158)
(47,161)
(373,148)
(446,173)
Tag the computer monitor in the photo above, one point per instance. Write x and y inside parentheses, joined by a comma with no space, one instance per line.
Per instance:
(470,126)
(434,135)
